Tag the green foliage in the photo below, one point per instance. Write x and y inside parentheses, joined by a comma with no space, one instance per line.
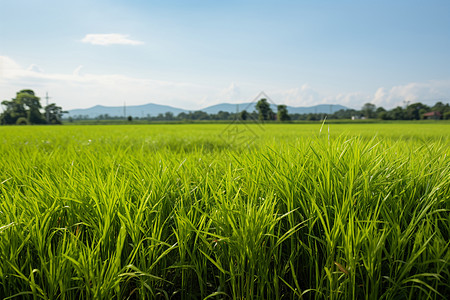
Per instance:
(244,115)
(282,113)
(27,106)
(265,113)
(175,211)
(381,113)
(414,111)
(14,110)
(54,113)
(22,121)
(34,116)
(368,110)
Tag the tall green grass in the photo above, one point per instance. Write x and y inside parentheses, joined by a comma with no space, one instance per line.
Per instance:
(179,211)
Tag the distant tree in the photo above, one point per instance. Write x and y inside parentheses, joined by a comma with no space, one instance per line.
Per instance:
(264,111)
(343,114)
(25,105)
(397,113)
(380,112)
(441,107)
(199,115)
(296,117)
(168,116)
(253,115)
(223,115)
(29,99)
(243,115)
(413,111)
(182,116)
(55,113)
(312,117)
(14,110)
(130,118)
(282,113)
(368,110)
(383,115)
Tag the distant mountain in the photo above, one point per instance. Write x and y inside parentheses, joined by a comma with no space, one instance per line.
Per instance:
(319,109)
(228,107)
(134,111)
(155,109)
(316,109)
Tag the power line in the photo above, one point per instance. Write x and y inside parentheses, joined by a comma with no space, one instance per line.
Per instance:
(47,113)
(406,103)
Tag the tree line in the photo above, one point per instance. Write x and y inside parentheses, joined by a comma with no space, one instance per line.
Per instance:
(263,112)
(414,111)
(26,108)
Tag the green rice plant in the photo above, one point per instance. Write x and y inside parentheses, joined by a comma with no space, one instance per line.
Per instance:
(178,211)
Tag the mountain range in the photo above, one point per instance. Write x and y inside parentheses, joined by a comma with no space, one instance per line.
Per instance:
(155,109)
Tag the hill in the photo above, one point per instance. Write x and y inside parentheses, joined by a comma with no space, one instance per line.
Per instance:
(229,107)
(134,110)
(155,109)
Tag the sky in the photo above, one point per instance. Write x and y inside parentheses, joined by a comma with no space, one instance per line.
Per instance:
(192,53)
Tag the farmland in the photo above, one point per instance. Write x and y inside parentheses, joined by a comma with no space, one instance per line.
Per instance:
(225,211)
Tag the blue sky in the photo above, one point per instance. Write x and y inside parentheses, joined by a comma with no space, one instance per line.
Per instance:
(193,54)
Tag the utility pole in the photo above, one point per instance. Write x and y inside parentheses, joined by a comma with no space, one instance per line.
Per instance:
(47,115)
(124,110)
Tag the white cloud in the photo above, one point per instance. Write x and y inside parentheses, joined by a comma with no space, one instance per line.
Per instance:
(109,39)
(426,92)
(35,68)
(8,66)
(77,89)
(303,96)
(306,95)
(77,71)
(234,93)
(352,100)
(231,94)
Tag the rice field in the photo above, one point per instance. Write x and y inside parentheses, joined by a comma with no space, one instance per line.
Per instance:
(217,211)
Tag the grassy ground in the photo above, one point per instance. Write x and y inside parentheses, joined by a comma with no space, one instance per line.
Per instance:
(225,211)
